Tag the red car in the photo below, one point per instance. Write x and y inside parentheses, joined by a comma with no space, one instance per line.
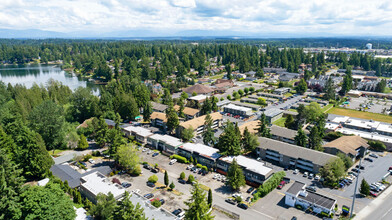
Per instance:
(374,194)
(281,184)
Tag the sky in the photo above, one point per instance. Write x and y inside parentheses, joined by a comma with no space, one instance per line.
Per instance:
(197,17)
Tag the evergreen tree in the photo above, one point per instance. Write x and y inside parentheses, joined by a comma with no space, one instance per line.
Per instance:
(172,186)
(301,87)
(347,82)
(105,207)
(198,208)
(301,138)
(289,122)
(187,134)
(172,119)
(147,111)
(262,129)
(249,141)
(315,139)
(235,176)
(229,141)
(365,188)
(166,179)
(125,210)
(82,143)
(208,133)
(210,197)
(329,90)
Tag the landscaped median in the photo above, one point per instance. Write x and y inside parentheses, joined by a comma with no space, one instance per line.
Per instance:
(269,185)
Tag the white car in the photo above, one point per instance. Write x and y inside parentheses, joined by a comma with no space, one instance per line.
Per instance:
(305,174)
(311,176)
(173,161)
(144,149)
(317,177)
(91,160)
(296,171)
(189,167)
(259,159)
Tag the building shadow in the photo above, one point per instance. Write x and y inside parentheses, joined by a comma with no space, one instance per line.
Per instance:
(282,203)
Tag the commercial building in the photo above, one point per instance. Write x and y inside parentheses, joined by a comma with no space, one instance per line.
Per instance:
(198,98)
(273,114)
(254,171)
(352,146)
(297,195)
(198,123)
(164,143)
(204,154)
(283,134)
(368,129)
(66,173)
(190,113)
(139,133)
(96,183)
(289,155)
(237,110)
(149,210)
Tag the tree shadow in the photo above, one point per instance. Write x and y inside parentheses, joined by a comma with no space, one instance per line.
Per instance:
(226,190)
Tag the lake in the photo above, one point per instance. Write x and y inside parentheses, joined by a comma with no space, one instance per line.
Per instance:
(40,74)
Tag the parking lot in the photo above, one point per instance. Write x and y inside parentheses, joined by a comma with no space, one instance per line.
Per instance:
(377,106)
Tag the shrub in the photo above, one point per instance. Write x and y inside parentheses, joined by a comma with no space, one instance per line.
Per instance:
(377,145)
(270,184)
(136,171)
(179,158)
(299,207)
(144,162)
(182,175)
(324,214)
(191,178)
(87,157)
(199,165)
(156,165)
(238,199)
(156,203)
(111,174)
(96,153)
(153,179)
(204,168)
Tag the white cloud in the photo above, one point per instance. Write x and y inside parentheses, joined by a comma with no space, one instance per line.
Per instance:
(333,17)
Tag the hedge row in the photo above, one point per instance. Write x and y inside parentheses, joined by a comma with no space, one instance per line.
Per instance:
(179,158)
(269,185)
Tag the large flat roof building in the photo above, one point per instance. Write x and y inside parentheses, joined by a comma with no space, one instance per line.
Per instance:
(255,171)
(204,154)
(165,143)
(96,183)
(139,133)
(238,110)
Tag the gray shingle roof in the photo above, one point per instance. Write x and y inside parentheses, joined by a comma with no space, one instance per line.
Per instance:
(296,187)
(283,132)
(294,151)
(158,106)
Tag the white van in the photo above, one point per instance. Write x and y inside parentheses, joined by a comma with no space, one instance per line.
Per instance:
(173,161)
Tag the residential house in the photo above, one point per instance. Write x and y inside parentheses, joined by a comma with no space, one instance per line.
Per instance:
(158,119)
(198,89)
(158,107)
(190,113)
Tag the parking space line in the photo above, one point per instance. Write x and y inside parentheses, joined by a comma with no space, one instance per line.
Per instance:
(280,193)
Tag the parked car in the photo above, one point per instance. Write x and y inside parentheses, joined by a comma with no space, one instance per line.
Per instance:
(360,167)
(155,154)
(162,201)
(317,177)
(250,190)
(149,196)
(177,212)
(154,170)
(173,161)
(295,171)
(231,201)
(311,188)
(126,184)
(243,206)
(144,149)
(254,192)
(189,167)
(150,184)
(282,183)
(368,159)
(91,161)
(374,194)
(248,199)
(373,155)
(305,174)
(356,170)
(182,181)
(310,176)
(148,167)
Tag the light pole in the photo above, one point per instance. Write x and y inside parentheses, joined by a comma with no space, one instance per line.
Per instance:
(355,189)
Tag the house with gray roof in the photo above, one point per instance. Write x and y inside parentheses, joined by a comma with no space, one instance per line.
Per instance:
(158,107)
(289,155)
(283,134)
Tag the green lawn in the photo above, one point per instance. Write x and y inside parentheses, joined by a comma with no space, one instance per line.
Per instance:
(219,76)
(55,152)
(360,114)
(327,107)
(280,122)
(288,94)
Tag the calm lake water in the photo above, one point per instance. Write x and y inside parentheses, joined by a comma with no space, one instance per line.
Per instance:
(40,74)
